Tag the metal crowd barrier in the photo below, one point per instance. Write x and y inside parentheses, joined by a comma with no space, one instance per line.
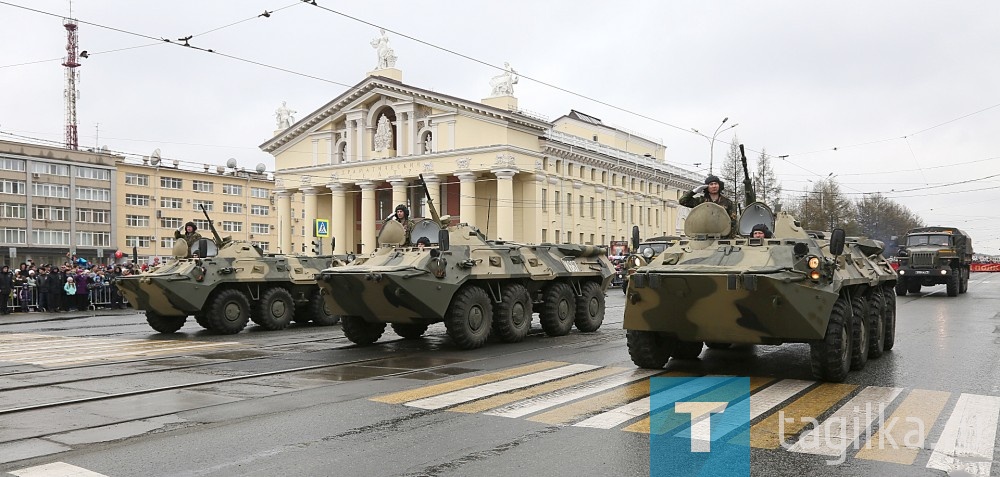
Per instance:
(99,296)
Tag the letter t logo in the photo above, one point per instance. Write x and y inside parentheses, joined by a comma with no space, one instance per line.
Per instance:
(701,422)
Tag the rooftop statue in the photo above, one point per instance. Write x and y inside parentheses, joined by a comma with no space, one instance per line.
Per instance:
(386,57)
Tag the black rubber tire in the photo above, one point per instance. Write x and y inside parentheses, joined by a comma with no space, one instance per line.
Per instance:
(648,349)
(512,316)
(303,314)
(409,331)
(320,311)
(558,309)
(590,308)
(831,358)
(913,286)
(953,282)
(876,323)
(963,283)
(275,309)
(201,319)
(861,332)
(901,288)
(889,315)
(719,345)
(687,349)
(164,324)
(361,332)
(469,317)
(228,312)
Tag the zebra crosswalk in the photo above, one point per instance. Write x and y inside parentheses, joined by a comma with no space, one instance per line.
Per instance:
(52,351)
(914,427)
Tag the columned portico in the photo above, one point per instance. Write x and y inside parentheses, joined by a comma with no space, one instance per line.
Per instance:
(505,203)
(467,199)
(310,208)
(399,191)
(433,184)
(338,216)
(367,216)
(284,203)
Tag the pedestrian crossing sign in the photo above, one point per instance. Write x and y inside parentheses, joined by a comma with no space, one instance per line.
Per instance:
(322,228)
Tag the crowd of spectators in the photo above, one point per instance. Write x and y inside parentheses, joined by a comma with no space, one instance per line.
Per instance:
(75,285)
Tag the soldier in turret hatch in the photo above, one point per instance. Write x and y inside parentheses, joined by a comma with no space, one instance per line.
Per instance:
(402,215)
(190,234)
(711,192)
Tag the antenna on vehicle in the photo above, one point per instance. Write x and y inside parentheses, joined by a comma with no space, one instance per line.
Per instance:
(489,205)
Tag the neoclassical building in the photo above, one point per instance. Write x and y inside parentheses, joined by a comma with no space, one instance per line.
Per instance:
(513,175)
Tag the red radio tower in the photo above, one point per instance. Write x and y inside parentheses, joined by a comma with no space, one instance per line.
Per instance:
(71,63)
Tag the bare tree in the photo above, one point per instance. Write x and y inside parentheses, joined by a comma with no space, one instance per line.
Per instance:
(825,208)
(882,219)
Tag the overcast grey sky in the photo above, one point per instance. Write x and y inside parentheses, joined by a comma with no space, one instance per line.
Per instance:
(906,91)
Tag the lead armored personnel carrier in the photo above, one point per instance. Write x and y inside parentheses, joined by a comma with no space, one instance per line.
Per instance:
(225,283)
(837,295)
(474,285)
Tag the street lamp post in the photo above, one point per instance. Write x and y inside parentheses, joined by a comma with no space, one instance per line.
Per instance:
(711,141)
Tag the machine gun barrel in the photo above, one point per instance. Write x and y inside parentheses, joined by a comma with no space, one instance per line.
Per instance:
(211,226)
(430,202)
(751,196)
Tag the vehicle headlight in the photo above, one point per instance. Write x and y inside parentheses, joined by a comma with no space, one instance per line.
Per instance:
(647,253)
(944,272)
(813,262)
(814,274)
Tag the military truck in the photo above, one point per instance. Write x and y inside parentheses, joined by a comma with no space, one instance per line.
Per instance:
(934,255)
(476,286)
(836,295)
(226,283)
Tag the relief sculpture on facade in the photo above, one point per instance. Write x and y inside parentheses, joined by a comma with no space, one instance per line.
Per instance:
(383,134)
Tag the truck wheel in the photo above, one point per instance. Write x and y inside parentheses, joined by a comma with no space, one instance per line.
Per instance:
(274,310)
(963,283)
(228,313)
(913,286)
(590,308)
(953,282)
(719,345)
(876,322)
(648,349)
(303,313)
(320,311)
(861,332)
(901,288)
(164,324)
(512,318)
(361,332)
(469,317)
(831,358)
(409,331)
(201,319)
(889,316)
(558,309)
(687,349)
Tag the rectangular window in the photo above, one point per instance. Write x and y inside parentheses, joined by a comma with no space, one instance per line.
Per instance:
(545,200)
(50,169)
(13,211)
(569,204)
(50,190)
(137,199)
(581,206)
(592,209)
(262,210)
(202,186)
(260,228)
(207,203)
(623,212)
(8,164)
(167,242)
(93,216)
(93,193)
(14,236)
(8,186)
(138,241)
(604,212)
(555,203)
(259,193)
(231,226)
(137,221)
(232,189)
(581,238)
(202,224)
(50,237)
(93,239)
(545,234)
(132,178)
(93,173)
(171,183)
(263,246)
(171,202)
(171,222)
(232,207)
(613,210)
(46,212)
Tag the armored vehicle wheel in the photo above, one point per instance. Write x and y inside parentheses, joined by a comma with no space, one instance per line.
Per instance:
(228,312)
(590,308)
(963,284)
(201,319)
(165,324)
(512,317)
(302,315)
(719,345)
(861,332)
(913,287)
(687,349)
(274,310)
(558,309)
(648,349)
(953,282)
(469,317)
(320,311)
(360,331)
(901,288)
(831,358)
(409,331)
(876,322)
(889,315)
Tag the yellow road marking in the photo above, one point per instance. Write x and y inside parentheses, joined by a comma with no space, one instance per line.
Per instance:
(920,408)
(643,425)
(765,435)
(507,398)
(427,391)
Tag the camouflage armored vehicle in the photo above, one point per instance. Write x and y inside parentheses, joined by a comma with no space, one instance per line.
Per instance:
(836,295)
(225,283)
(474,285)
(643,252)
(934,255)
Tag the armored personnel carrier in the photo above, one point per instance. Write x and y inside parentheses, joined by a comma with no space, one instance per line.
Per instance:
(837,295)
(934,255)
(477,287)
(225,283)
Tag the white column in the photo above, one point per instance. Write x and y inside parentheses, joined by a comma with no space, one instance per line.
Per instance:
(310,207)
(467,197)
(433,183)
(367,216)
(451,135)
(315,153)
(399,191)
(399,134)
(330,152)
(338,216)
(412,123)
(505,203)
(359,140)
(284,203)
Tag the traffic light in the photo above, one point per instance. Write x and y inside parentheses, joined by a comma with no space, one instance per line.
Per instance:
(317,247)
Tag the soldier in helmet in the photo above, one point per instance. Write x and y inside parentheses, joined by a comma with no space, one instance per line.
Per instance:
(760,231)
(190,234)
(402,215)
(711,191)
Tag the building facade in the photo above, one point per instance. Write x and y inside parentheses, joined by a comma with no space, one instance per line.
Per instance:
(513,175)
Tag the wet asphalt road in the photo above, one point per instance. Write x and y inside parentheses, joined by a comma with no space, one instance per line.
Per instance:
(323,420)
